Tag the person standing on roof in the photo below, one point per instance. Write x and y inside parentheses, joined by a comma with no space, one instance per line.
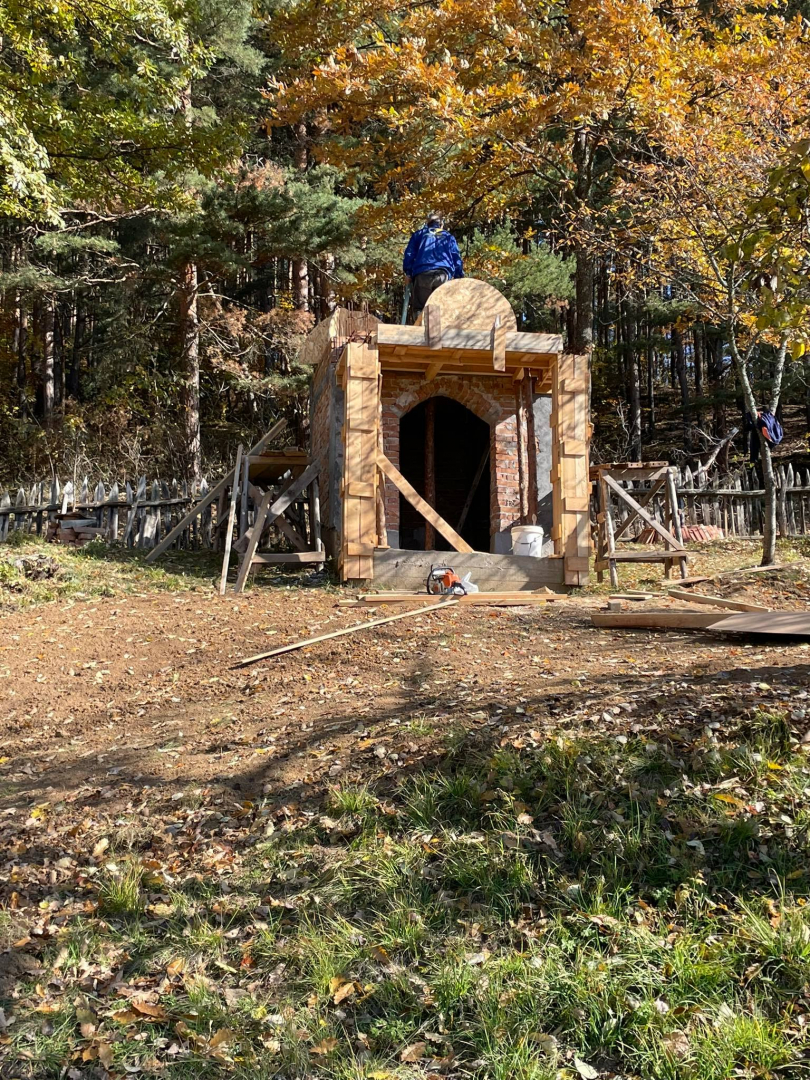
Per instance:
(431,258)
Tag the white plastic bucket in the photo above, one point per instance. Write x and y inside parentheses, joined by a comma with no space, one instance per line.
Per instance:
(527,540)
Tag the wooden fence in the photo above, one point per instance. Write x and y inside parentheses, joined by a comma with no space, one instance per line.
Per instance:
(140,517)
(137,517)
(735,503)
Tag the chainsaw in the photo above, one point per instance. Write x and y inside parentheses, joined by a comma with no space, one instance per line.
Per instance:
(444,581)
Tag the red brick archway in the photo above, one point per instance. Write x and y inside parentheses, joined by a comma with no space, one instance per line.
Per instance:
(490,400)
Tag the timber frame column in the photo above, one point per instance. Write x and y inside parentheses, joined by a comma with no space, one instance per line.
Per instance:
(569,469)
(361,432)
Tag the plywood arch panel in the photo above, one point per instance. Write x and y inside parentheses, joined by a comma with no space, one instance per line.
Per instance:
(470,304)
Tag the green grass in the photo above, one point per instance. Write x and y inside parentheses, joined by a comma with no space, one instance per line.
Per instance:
(519,909)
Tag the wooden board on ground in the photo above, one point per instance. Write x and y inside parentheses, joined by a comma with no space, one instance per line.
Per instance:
(347,630)
(656,620)
(715,601)
(408,570)
(783,623)
(526,599)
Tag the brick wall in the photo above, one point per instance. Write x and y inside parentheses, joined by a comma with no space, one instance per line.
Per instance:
(493,401)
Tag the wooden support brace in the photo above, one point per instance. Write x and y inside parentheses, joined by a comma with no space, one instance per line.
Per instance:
(213,494)
(226,558)
(424,508)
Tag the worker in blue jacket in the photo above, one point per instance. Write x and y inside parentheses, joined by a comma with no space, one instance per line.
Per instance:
(431,258)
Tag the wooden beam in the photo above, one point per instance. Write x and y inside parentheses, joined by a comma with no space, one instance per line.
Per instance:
(430,468)
(226,558)
(348,630)
(253,538)
(545,345)
(715,601)
(642,501)
(626,497)
(424,508)
(214,493)
(433,370)
(284,558)
(286,528)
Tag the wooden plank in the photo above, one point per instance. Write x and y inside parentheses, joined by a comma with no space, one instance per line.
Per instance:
(643,499)
(715,601)
(528,599)
(253,538)
(356,629)
(545,345)
(214,493)
(626,497)
(424,508)
(226,558)
(286,528)
(282,558)
(782,623)
(655,620)
(408,570)
(433,370)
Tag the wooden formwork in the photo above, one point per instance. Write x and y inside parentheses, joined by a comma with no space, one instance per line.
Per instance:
(570,387)
(361,433)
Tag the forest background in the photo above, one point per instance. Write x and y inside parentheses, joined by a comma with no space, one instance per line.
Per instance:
(187,187)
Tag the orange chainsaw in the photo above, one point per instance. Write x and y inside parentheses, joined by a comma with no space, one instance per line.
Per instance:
(444,581)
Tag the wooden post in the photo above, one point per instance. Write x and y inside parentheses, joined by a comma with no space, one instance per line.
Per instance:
(244,479)
(360,439)
(521,432)
(610,540)
(527,386)
(228,537)
(315,515)
(430,468)
(254,537)
(569,472)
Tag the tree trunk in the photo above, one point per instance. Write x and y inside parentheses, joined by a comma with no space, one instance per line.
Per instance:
(699,340)
(47,363)
(582,158)
(22,344)
(683,383)
(300,267)
(190,371)
(76,352)
(650,382)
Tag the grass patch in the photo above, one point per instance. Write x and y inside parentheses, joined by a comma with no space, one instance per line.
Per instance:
(529,910)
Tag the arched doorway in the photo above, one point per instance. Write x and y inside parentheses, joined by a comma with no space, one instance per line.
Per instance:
(461,448)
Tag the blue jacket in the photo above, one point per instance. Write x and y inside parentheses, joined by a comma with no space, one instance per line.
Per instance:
(432,249)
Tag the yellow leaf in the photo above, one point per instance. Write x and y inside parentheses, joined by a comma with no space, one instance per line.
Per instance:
(176,967)
(145,1008)
(220,1037)
(100,847)
(345,991)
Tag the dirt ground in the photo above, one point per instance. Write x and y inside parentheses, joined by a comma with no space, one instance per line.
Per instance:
(109,697)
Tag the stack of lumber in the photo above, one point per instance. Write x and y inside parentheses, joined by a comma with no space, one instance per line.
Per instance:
(74,530)
(751,618)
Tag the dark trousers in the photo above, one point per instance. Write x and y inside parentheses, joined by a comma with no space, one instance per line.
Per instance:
(424,285)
